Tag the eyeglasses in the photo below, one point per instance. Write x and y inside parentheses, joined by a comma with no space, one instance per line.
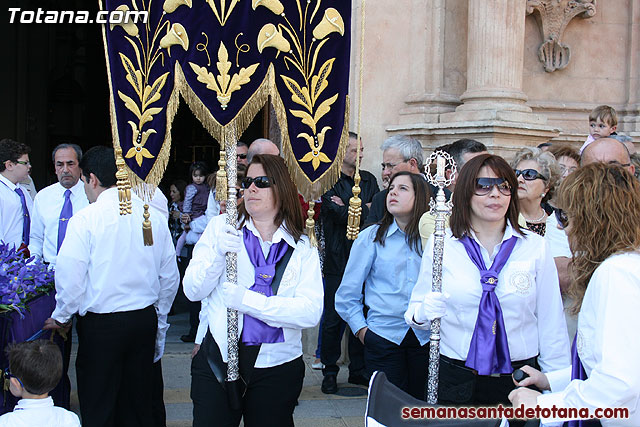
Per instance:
(615,162)
(563,219)
(485,185)
(8,376)
(22,162)
(529,174)
(392,165)
(259,181)
(241,156)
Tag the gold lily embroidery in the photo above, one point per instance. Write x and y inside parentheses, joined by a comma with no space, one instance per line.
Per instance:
(223,84)
(223,13)
(170,6)
(303,58)
(138,74)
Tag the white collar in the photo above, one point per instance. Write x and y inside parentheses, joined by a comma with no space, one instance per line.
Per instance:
(280,233)
(8,183)
(34,403)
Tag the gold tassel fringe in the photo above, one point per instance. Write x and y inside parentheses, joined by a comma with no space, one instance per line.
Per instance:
(221,176)
(147,233)
(124,187)
(355,210)
(311,225)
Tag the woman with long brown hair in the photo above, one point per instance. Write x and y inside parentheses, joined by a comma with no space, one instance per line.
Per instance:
(602,206)
(278,293)
(500,302)
(386,258)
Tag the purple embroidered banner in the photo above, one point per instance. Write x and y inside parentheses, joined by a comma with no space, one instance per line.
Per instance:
(225,58)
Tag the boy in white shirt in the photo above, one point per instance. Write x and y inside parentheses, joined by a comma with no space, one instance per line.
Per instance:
(36,368)
(603,122)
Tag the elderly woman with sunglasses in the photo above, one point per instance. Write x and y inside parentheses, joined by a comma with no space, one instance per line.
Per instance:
(278,293)
(500,303)
(538,173)
(602,202)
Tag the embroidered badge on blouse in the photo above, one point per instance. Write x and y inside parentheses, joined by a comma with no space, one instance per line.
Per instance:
(521,282)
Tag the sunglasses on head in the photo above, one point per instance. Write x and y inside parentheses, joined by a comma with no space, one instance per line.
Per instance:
(485,185)
(563,219)
(529,174)
(259,181)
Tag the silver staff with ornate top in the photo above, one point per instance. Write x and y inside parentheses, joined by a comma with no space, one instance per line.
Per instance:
(233,367)
(441,209)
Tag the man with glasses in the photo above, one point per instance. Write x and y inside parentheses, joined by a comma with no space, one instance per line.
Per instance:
(607,150)
(334,212)
(15,203)
(242,150)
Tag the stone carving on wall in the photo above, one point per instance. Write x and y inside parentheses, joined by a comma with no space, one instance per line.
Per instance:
(553,16)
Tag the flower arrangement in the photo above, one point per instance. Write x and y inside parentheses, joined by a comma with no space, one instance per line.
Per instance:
(21,280)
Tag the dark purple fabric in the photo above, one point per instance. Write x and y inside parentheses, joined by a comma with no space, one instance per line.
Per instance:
(254,331)
(489,349)
(578,373)
(199,202)
(26,223)
(65,215)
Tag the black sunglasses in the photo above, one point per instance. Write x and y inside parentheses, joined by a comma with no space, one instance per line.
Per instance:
(485,185)
(259,181)
(529,174)
(563,219)
(241,156)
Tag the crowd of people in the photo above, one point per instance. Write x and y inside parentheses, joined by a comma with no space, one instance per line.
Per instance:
(540,250)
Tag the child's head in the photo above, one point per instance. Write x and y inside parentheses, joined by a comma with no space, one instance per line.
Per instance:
(603,121)
(198,172)
(36,368)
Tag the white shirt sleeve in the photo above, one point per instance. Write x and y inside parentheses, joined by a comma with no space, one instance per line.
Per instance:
(169,279)
(422,287)
(203,325)
(36,233)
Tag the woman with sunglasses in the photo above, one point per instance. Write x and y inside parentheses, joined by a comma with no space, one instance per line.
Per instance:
(602,202)
(386,258)
(538,173)
(278,293)
(500,302)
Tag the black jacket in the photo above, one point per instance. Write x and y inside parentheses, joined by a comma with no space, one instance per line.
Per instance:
(334,219)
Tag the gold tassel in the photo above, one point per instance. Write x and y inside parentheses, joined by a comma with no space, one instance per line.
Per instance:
(355,210)
(221,176)
(124,187)
(147,233)
(311,225)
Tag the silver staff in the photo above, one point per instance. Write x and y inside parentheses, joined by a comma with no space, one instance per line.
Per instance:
(233,367)
(441,209)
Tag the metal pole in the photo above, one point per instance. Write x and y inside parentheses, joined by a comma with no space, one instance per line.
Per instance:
(441,209)
(233,367)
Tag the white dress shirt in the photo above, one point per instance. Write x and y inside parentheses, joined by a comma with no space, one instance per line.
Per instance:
(607,343)
(297,305)
(39,413)
(45,218)
(527,289)
(556,238)
(11,216)
(103,266)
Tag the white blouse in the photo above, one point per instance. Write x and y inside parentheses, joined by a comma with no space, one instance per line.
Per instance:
(297,305)
(608,344)
(527,289)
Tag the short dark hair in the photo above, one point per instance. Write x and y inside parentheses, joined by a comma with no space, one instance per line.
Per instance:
(353,135)
(198,167)
(285,194)
(420,205)
(463,146)
(37,364)
(101,162)
(64,145)
(242,144)
(11,150)
(564,150)
(460,221)
(181,186)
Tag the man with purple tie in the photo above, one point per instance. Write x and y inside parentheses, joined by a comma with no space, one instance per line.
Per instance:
(15,203)
(54,205)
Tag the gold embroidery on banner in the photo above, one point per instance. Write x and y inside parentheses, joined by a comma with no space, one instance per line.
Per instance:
(244,48)
(204,47)
(223,13)
(170,6)
(224,84)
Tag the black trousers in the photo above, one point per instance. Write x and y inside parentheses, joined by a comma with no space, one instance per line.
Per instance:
(269,401)
(405,365)
(157,404)
(115,368)
(332,330)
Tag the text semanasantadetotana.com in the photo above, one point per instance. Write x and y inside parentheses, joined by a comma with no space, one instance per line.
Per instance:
(494,412)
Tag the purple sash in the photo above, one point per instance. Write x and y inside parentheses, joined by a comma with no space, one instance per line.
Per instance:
(254,331)
(489,349)
(578,373)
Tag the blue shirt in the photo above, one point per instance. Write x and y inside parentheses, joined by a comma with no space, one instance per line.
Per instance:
(389,273)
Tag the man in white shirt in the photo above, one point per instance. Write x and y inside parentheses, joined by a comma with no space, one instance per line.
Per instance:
(122,291)
(55,204)
(15,203)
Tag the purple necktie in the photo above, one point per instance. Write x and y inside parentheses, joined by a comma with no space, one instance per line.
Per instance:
(578,373)
(489,349)
(65,214)
(254,331)
(26,223)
